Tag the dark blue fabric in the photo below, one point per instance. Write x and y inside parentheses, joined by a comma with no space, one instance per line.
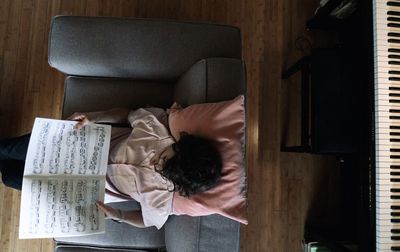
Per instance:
(12,160)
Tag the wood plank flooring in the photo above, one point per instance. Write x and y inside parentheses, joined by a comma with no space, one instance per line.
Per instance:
(281,186)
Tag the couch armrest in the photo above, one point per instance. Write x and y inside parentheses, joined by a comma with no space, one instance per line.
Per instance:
(136,48)
(78,248)
(118,235)
(213,233)
(211,80)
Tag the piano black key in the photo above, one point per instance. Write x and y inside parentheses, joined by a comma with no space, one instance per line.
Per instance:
(392,3)
(395,220)
(393,71)
(395,248)
(395,214)
(395,157)
(395,196)
(394,174)
(393,25)
(394,78)
(395,238)
(394,180)
(393,100)
(395,189)
(394,88)
(395,231)
(394,34)
(394,140)
(393,13)
(394,127)
(395,19)
(394,50)
(395,207)
(394,134)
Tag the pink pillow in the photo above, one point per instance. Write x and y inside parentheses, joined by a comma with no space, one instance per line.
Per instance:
(223,122)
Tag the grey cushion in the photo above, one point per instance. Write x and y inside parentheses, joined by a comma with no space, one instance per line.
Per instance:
(136,48)
(94,94)
(72,248)
(121,235)
(211,80)
(212,233)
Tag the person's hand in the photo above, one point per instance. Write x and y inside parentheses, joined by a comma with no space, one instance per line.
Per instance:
(83,119)
(110,212)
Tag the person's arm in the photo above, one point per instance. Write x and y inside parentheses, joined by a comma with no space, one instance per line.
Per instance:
(116,115)
(133,218)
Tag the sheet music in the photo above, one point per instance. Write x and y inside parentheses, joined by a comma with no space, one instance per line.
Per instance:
(64,176)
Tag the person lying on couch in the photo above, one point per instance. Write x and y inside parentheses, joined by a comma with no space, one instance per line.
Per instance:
(145,164)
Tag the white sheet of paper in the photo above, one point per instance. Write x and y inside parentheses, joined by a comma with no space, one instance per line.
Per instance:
(64,176)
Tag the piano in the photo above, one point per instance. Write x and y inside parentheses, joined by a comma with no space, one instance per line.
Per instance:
(371,37)
(386,51)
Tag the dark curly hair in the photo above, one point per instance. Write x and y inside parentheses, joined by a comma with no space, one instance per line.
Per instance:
(195,167)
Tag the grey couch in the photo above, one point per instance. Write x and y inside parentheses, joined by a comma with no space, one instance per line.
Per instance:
(120,62)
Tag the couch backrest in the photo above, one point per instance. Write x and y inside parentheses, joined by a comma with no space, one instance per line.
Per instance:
(136,48)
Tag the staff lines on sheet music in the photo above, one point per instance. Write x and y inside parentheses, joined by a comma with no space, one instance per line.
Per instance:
(56,149)
(80,211)
(71,142)
(96,156)
(94,211)
(84,142)
(36,188)
(38,161)
(52,188)
(66,200)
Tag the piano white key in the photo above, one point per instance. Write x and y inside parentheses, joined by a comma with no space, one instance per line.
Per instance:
(386,142)
(384,206)
(385,92)
(384,222)
(384,124)
(382,226)
(381,136)
(386,176)
(383,74)
(385,67)
(385,81)
(385,183)
(381,6)
(386,188)
(380,211)
(385,217)
(385,231)
(384,245)
(382,172)
(388,48)
(386,131)
(383,197)
(387,115)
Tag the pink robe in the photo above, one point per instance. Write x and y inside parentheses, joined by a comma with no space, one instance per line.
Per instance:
(129,172)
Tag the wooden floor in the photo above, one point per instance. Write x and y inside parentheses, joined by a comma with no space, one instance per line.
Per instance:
(283,188)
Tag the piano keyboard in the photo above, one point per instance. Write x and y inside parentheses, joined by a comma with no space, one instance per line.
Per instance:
(386,18)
